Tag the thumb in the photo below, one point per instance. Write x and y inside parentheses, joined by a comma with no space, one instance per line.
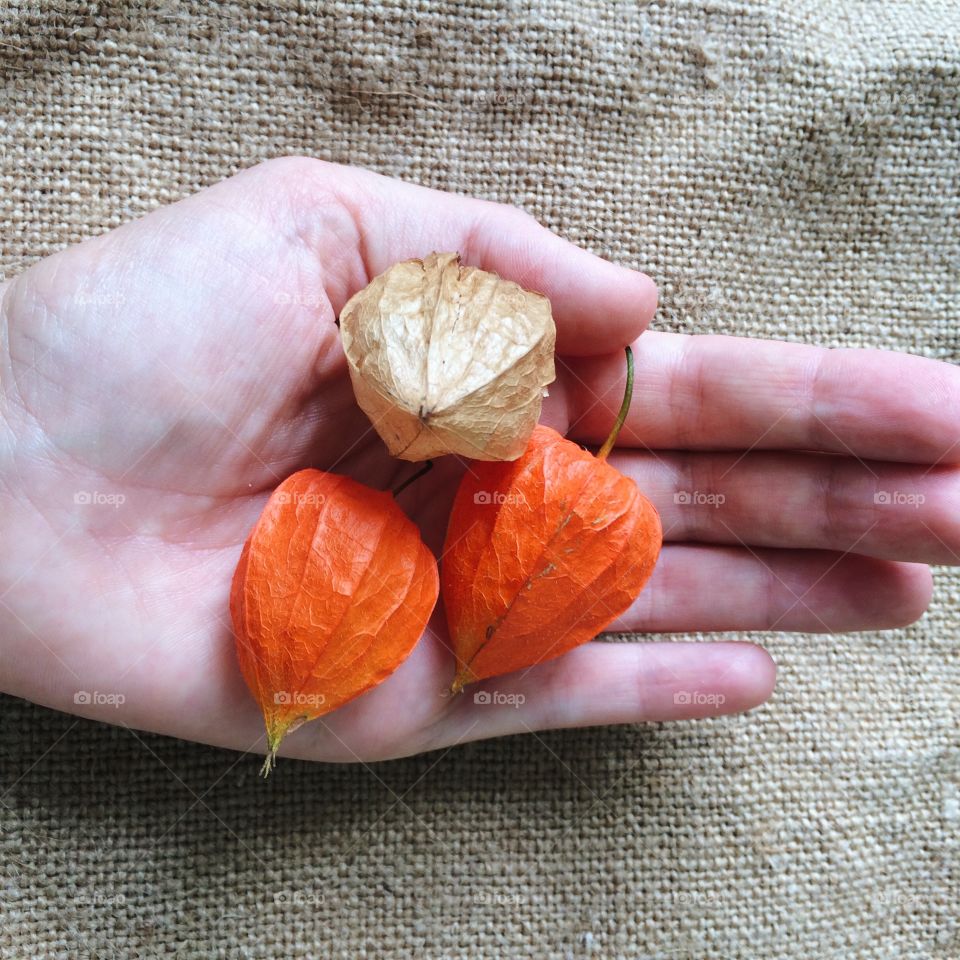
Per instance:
(598,306)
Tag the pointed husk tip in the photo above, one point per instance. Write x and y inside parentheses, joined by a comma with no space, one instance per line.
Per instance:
(461,680)
(273,744)
(275,733)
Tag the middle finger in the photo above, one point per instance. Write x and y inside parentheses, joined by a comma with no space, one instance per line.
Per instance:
(807,501)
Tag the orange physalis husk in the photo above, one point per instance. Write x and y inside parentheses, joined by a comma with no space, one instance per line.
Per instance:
(542,553)
(332,591)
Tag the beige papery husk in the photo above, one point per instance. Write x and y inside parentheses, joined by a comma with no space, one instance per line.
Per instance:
(447,358)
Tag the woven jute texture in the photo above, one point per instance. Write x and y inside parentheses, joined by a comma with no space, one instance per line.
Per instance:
(783,170)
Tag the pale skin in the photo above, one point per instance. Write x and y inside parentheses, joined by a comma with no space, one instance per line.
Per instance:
(157,382)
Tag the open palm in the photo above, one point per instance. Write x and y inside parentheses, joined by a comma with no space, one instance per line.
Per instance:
(160,380)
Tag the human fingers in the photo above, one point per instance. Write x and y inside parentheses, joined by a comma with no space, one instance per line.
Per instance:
(606,683)
(736,393)
(804,501)
(697,587)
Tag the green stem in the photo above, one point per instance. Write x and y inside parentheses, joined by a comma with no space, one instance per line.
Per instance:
(426,468)
(624,409)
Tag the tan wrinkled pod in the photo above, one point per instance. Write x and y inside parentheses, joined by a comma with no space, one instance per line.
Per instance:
(449,359)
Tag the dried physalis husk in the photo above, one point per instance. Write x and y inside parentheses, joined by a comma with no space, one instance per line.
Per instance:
(449,359)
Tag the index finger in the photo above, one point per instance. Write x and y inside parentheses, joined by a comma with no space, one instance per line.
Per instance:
(734,393)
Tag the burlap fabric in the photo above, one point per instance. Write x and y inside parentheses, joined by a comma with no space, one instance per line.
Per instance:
(781,169)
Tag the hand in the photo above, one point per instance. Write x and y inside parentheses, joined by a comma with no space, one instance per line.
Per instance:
(160,380)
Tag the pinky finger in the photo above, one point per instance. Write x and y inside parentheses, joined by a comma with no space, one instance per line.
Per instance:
(608,683)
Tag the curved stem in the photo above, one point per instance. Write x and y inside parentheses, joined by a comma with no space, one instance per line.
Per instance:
(624,409)
(426,468)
